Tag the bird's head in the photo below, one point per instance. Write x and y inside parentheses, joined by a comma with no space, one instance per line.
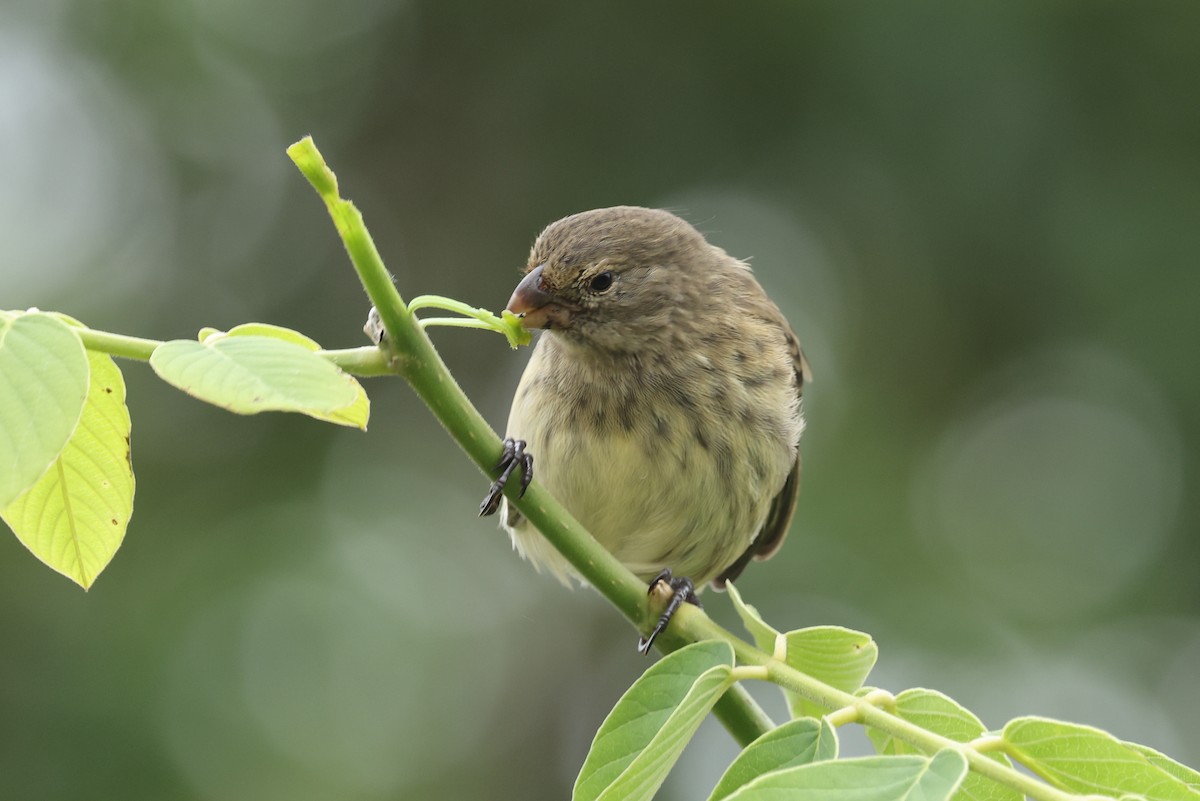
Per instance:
(609,276)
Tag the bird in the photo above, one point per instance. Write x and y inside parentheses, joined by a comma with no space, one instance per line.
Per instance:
(662,402)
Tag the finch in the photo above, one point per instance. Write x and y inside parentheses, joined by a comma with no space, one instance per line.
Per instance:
(662,402)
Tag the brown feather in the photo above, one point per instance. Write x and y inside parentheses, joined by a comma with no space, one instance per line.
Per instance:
(783,507)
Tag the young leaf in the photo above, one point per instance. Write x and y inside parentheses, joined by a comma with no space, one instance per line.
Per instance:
(941,714)
(1087,760)
(931,710)
(646,731)
(248,374)
(74,517)
(266,330)
(355,414)
(43,384)
(880,778)
(797,742)
(840,657)
(764,635)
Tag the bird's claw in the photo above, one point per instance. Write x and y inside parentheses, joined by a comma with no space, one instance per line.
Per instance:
(682,591)
(514,456)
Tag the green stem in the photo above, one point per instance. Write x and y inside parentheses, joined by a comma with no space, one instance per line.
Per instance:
(507,324)
(118,344)
(455,322)
(988,744)
(447,304)
(365,362)
(741,716)
(394,315)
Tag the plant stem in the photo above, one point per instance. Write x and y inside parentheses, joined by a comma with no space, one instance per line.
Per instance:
(365,362)
(741,716)
(446,304)
(117,344)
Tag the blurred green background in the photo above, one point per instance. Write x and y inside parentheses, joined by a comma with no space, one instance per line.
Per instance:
(983,221)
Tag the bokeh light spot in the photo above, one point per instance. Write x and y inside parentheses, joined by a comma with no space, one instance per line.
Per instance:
(1052,497)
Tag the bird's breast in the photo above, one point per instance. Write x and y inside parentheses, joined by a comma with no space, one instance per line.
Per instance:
(666,468)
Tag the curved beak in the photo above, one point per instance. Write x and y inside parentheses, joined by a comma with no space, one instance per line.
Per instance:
(537,307)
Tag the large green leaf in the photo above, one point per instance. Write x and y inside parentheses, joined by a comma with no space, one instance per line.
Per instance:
(840,657)
(797,742)
(43,384)
(248,373)
(74,518)
(941,714)
(646,731)
(880,778)
(1087,760)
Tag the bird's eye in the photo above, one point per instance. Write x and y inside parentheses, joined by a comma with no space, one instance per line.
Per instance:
(601,282)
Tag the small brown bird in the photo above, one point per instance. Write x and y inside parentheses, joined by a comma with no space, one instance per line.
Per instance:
(662,402)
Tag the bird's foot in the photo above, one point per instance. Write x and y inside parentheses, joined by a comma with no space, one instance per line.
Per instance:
(514,456)
(682,590)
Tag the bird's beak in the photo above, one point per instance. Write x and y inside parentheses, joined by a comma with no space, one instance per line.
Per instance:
(537,307)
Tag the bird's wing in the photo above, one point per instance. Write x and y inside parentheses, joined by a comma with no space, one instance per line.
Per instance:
(783,506)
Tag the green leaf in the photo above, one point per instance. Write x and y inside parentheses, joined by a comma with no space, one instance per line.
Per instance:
(74,518)
(879,778)
(265,330)
(1182,772)
(252,373)
(354,415)
(43,384)
(764,635)
(646,731)
(797,742)
(840,657)
(930,710)
(942,715)
(1087,760)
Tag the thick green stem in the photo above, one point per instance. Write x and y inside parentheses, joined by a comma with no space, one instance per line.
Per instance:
(118,344)
(367,361)
(741,716)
